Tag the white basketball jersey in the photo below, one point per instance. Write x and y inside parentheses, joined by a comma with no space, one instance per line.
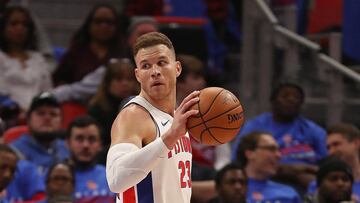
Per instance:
(170,180)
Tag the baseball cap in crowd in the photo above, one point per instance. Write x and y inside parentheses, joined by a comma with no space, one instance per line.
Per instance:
(42,99)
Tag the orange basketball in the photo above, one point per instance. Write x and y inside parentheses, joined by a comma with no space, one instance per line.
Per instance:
(219,119)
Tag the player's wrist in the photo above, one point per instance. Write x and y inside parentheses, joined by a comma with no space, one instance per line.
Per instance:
(169,139)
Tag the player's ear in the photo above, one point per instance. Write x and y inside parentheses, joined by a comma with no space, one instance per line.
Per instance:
(137,74)
(178,68)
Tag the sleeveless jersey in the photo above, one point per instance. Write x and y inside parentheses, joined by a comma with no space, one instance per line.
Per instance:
(170,180)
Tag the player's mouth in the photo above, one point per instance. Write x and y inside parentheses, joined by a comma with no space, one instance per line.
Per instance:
(156,84)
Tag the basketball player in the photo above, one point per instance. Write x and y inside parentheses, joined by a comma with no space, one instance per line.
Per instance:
(150,155)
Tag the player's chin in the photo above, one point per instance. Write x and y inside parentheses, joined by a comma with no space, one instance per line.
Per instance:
(158,93)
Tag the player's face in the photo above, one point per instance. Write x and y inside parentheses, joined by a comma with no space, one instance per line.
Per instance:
(84,143)
(265,158)
(157,71)
(45,119)
(342,148)
(7,168)
(60,181)
(336,187)
(233,187)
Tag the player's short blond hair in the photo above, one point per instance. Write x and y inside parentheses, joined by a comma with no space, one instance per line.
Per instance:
(152,39)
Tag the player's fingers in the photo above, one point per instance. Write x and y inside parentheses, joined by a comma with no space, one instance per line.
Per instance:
(193,112)
(185,107)
(190,103)
(195,93)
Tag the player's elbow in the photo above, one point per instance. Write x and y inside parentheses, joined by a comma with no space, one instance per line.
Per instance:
(121,179)
(116,180)
(115,187)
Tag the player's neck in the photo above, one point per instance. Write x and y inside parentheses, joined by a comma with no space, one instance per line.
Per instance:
(166,104)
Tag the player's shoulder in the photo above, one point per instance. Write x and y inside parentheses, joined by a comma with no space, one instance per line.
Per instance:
(132,125)
(134,117)
(134,111)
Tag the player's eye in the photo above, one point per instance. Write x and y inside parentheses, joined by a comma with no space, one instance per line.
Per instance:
(146,66)
(162,63)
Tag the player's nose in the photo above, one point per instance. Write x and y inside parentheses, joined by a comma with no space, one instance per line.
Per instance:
(155,70)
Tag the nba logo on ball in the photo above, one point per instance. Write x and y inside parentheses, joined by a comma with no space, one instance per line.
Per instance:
(219,119)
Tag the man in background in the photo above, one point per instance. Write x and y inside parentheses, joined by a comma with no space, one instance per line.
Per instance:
(84,141)
(42,146)
(259,154)
(300,140)
(231,185)
(334,179)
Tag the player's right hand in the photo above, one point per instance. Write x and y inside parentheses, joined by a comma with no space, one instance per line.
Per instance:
(182,113)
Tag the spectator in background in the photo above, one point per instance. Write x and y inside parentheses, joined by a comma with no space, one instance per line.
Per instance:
(301,141)
(118,83)
(343,142)
(259,154)
(24,71)
(19,179)
(87,87)
(335,180)
(139,25)
(92,45)
(84,141)
(60,184)
(42,146)
(231,185)
(9,112)
(8,161)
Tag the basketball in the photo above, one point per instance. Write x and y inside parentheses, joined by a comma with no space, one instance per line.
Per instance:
(219,119)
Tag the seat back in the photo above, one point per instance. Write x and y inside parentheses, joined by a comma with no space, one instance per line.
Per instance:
(14,133)
(70,111)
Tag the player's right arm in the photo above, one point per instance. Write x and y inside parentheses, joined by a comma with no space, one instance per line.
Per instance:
(131,155)
(135,150)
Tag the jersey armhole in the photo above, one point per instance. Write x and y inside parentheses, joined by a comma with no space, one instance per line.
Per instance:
(152,118)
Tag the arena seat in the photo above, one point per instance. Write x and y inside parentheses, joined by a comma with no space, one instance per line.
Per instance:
(14,133)
(70,111)
(326,15)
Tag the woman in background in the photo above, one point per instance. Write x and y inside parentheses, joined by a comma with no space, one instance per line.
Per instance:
(118,83)
(93,45)
(24,71)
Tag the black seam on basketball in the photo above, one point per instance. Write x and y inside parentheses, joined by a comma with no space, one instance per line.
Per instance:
(213,101)
(225,128)
(208,129)
(202,134)
(242,113)
(237,128)
(200,115)
(202,118)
